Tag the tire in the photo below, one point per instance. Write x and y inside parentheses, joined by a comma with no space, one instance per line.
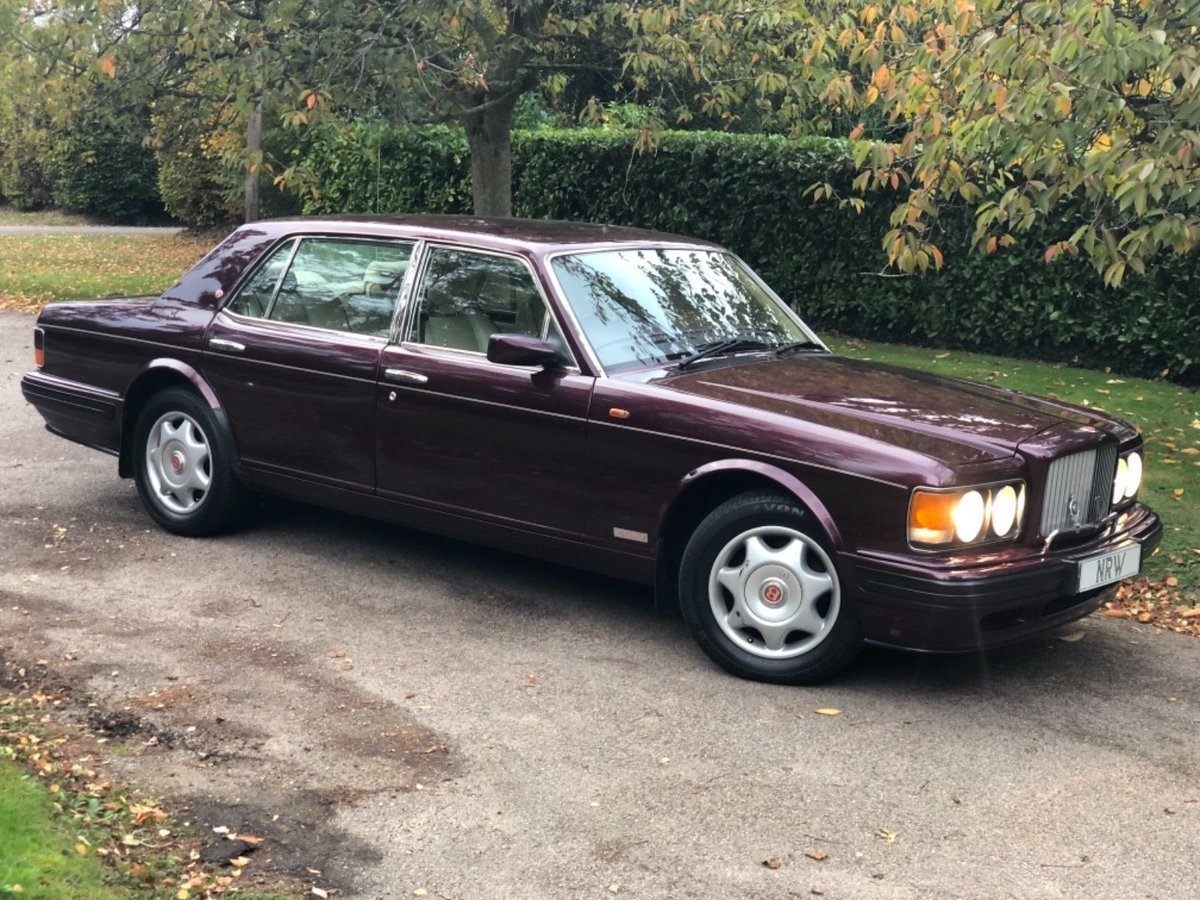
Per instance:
(761,593)
(184,469)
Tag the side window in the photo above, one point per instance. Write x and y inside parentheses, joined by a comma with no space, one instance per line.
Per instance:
(254,299)
(464,298)
(345,285)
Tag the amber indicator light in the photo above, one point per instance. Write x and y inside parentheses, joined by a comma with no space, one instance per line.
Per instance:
(39,347)
(617,413)
(931,516)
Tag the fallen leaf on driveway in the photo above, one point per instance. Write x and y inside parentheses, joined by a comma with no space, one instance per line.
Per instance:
(1070,638)
(886,836)
(1117,613)
(772,862)
(319,892)
(827,711)
(818,855)
(142,814)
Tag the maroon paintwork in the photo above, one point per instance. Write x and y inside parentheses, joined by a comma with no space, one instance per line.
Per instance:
(542,461)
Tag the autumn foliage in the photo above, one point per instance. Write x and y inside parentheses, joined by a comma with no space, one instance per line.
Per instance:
(1009,109)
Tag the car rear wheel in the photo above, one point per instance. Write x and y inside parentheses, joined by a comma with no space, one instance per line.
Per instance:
(183,465)
(761,592)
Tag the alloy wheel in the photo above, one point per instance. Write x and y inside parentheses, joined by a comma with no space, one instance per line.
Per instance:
(178,462)
(774,592)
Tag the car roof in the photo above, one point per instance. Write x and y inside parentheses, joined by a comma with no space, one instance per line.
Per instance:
(535,236)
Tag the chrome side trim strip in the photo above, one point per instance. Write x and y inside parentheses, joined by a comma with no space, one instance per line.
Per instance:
(663,434)
(379,339)
(118,337)
(541,412)
(627,534)
(264,362)
(750,452)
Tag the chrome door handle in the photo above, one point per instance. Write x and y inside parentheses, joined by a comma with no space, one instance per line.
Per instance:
(404,376)
(222,344)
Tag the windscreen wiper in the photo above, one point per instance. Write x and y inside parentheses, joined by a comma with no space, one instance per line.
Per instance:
(718,348)
(796,347)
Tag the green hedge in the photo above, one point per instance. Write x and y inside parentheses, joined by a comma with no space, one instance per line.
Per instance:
(747,192)
(25,179)
(106,172)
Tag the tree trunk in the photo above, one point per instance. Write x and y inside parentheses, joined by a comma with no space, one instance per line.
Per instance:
(489,133)
(251,203)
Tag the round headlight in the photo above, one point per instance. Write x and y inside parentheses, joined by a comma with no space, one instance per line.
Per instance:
(1133,479)
(1120,481)
(968,516)
(1004,510)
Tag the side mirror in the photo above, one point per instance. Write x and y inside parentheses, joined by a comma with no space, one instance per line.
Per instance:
(521,350)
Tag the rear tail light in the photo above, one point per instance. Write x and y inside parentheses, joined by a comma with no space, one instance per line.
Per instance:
(39,347)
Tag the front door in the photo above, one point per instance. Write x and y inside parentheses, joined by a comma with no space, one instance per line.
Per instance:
(469,436)
(294,356)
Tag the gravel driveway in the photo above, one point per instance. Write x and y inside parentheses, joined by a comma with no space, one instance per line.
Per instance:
(420,713)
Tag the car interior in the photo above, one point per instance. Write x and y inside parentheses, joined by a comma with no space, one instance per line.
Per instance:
(362,306)
(464,297)
(464,301)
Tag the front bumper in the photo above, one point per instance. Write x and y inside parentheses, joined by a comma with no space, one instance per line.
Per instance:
(971,603)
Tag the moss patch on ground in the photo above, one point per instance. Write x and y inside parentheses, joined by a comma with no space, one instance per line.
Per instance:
(39,855)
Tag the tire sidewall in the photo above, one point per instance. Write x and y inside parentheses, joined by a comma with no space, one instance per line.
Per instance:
(214,512)
(724,524)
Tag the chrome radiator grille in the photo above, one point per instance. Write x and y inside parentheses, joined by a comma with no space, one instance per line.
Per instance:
(1078,489)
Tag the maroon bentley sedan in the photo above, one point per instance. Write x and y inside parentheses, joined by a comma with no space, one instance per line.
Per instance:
(634,403)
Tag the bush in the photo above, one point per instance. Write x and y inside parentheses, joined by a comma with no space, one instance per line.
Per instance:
(106,171)
(198,187)
(370,168)
(25,180)
(748,193)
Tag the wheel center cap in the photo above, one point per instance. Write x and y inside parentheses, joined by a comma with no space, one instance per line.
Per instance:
(773,592)
(177,460)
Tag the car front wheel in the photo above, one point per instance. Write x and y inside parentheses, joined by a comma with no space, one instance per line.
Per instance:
(761,593)
(183,459)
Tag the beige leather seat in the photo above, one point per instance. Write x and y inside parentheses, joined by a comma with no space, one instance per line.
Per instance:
(463,331)
(383,279)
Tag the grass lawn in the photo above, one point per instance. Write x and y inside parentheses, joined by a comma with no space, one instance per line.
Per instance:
(38,853)
(10,216)
(1167,414)
(40,268)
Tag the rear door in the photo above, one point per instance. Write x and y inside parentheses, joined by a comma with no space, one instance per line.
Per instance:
(294,356)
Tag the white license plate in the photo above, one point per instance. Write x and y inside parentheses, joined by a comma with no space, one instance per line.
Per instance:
(1109,567)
